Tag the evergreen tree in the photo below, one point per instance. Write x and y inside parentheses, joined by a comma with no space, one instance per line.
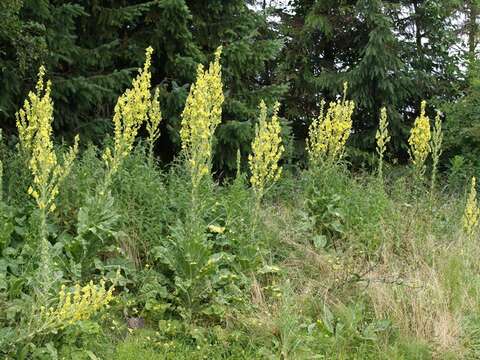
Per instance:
(22,47)
(334,41)
(392,53)
(90,49)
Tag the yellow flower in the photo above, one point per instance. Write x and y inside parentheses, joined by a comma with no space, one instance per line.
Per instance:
(419,140)
(382,137)
(200,118)
(153,122)
(132,109)
(81,304)
(216,229)
(34,124)
(328,134)
(267,149)
(472,212)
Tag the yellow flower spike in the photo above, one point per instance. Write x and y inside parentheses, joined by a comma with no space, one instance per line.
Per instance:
(200,118)
(267,150)
(436,146)
(153,122)
(84,303)
(131,111)
(419,141)
(471,214)
(328,134)
(216,229)
(34,124)
(382,138)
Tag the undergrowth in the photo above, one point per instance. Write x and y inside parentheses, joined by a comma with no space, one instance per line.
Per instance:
(147,260)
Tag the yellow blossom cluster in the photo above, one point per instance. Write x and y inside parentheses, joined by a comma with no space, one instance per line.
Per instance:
(132,109)
(471,214)
(200,118)
(328,134)
(419,140)
(153,121)
(216,229)
(34,123)
(267,149)
(81,304)
(382,137)
(436,145)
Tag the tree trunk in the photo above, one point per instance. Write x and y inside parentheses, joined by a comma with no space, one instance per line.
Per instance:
(473,13)
(418,32)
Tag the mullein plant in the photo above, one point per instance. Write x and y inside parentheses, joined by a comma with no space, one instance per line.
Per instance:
(153,124)
(267,150)
(436,146)
(97,218)
(190,253)
(70,306)
(200,118)
(34,123)
(328,134)
(382,138)
(419,141)
(471,213)
(133,108)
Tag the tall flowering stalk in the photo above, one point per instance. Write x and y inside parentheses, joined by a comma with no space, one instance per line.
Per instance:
(200,118)
(153,124)
(471,214)
(267,149)
(131,111)
(98,215)
(34,123)
(328,134)
(436,145)
(382,137)
(419,141)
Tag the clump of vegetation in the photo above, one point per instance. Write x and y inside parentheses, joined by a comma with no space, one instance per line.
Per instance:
(419,141)
(383,138)
(329,133)
(471,214)
(300,263)
(267,150)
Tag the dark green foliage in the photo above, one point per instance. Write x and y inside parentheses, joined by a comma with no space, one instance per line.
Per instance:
(392,53)
(462,128)
(91,50)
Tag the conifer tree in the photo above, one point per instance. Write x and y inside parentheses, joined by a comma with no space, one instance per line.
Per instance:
(392,53)
(92,49)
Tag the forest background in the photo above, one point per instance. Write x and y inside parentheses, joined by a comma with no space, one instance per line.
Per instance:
(392,53)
